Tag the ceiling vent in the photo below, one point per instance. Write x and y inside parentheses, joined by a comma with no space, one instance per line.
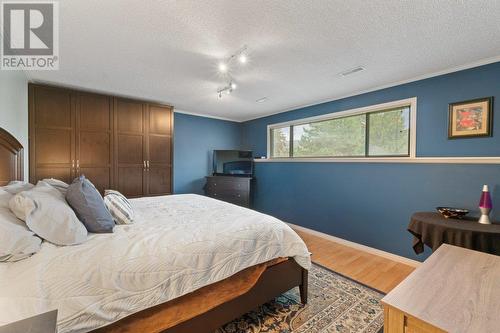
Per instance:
(352,71)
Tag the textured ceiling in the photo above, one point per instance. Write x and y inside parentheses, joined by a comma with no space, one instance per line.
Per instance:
(168,51)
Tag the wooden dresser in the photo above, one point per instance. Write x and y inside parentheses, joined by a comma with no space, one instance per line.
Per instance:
(455,290)
(236,190)
(117,143)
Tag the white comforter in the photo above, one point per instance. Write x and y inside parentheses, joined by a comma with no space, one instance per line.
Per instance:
(178,244)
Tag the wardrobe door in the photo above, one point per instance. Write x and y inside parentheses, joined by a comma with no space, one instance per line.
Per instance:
(159,162)
(94,153)
(130,147)
(52,133)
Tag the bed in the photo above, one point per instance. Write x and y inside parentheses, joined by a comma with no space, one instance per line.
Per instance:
(188,264)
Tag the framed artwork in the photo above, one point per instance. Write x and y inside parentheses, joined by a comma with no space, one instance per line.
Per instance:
(470,118)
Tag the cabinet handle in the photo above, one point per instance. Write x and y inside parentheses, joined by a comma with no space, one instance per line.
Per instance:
(144,165)
(72,164)
(78,164)
(147,163)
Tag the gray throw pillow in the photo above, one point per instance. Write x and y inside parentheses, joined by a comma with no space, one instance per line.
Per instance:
(89,206)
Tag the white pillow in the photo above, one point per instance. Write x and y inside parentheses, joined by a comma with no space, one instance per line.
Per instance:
(57,184)
(16,186)
(119,207)
(4,198)
(16,241)
(48,215)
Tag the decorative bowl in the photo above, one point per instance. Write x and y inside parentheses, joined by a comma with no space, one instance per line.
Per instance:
(450,212)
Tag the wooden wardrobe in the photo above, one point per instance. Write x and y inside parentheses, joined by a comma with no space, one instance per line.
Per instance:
(117,143)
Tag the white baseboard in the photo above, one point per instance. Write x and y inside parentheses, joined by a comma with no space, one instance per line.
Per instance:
(388,255)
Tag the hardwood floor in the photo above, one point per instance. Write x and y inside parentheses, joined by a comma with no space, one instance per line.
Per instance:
(372,270)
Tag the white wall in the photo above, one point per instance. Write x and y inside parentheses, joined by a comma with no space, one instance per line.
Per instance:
(14,108)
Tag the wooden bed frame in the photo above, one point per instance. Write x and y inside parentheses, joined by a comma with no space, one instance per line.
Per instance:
(274,280)
(11,158)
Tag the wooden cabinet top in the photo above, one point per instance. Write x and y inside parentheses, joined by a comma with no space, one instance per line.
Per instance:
(455,289)
(233,178)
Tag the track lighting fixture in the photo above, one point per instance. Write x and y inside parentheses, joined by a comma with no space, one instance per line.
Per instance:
(224,67)
(240,55)
(228,89)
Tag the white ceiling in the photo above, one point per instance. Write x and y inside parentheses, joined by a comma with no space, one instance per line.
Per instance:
(167,51)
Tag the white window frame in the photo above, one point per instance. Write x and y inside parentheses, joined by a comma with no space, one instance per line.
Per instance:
(409,102)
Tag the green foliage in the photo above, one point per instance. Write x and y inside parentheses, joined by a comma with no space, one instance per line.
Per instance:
(281,145)
(336,137)
(388,135)
(389,132)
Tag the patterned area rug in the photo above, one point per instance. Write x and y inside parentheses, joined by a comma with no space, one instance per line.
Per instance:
(336,304)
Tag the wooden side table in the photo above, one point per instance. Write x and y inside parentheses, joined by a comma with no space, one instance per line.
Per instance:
(454,290)
(432,229)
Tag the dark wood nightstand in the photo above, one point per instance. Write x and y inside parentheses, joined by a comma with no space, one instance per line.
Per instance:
(42,323)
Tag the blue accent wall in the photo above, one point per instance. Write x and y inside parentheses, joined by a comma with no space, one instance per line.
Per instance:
(195,139)
(371,203)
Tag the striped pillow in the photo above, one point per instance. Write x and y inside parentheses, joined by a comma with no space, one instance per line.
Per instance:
(119,207)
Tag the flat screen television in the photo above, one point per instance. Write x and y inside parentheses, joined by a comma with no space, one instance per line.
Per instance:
(233,163)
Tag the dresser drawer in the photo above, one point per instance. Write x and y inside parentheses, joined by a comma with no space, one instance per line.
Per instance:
(211,188)
(396,321)
(227,193)
(241,199)
(225,184)
(413,325)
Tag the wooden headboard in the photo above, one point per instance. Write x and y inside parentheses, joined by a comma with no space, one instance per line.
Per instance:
(11,158)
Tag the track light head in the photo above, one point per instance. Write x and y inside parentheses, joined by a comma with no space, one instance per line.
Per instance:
(242,58)
(222,67)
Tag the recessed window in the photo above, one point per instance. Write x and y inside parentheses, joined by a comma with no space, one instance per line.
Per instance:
(389,132)
(340,137)
(378,131)
(280,138)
